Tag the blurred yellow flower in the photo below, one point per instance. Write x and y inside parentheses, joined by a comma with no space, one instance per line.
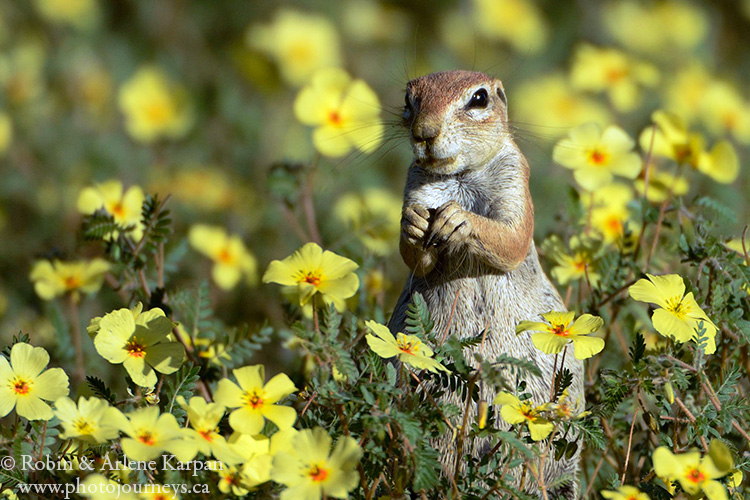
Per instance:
(311,271)
(563,107)
(254,467)
(514,411)
(517,22)
(54,278)
(300,43)
(124,208)
(22,72)
(695,474)
(368,21)
(725,111)
(232,260)
(625,493)
(678,314)
(559,330)
(661,185)
(96,486)
(153,106)
(344,112)
(77,13)
(311,470)
(6,132)
(373,216)
(580,264)
(597,156)
(202,187)
(24,383)
(663,27)
(609,212)
(612,71)
(409,348)
(685,91)
(670,138)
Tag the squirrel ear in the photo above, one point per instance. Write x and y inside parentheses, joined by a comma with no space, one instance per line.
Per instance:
(501,95)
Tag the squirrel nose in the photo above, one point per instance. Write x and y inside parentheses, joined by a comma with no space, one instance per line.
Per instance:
(424,132)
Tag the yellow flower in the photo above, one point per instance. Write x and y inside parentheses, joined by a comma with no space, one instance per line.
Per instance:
(124,208)
(605,69)
(203,435)
(310,469)
(299,43)
(597,156)
(625,493)
(684,92)
(231,258)
(563,107)
(517,22)
(409,348)
(367,21)
(153,106)
(24,383)
(579,264)
(725,110)
(514,411)
(141,343)
(670,138)
(695,474)
(255,468)
(202,188)
(150,434)
(256,401)
(663,27)
(373,216)
(22,72)
(6,132)
(78,13)
(311,271)
(560,330)
(678,314)
(52,279)
(662,185)
(92,420)
(609,212)
(344,112)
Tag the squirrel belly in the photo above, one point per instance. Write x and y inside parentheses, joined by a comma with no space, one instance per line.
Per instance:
(466,235)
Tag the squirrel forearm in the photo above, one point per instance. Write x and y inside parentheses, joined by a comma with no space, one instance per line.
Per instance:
(498,244)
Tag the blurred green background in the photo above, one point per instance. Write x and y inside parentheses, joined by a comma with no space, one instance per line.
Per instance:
(231,153)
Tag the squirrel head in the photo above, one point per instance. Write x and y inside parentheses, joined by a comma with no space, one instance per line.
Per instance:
(458,120)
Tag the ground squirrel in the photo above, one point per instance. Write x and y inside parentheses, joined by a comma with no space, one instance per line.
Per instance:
(466,233)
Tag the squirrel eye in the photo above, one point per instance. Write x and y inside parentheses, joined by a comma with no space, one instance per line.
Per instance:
(479,99)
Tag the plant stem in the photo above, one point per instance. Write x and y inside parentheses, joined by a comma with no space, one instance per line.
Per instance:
(75,335)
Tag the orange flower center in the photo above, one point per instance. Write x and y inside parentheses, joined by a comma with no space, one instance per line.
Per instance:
(207,435)
(527,411)
(117,210)
(225,257)
(598,157)
(580,265)
(334,117)
(560,330)
(317,473)
(72,282)
(135,348)
(311,277)
(614,224)
(147,438)
(616,74)
(695,476)
(21,386)
(408,346)
(254,400)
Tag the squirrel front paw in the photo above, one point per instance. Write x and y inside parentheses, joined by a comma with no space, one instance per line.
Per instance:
(450,227)
(420,257)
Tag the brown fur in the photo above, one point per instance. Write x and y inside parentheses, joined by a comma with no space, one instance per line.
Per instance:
(466,235)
